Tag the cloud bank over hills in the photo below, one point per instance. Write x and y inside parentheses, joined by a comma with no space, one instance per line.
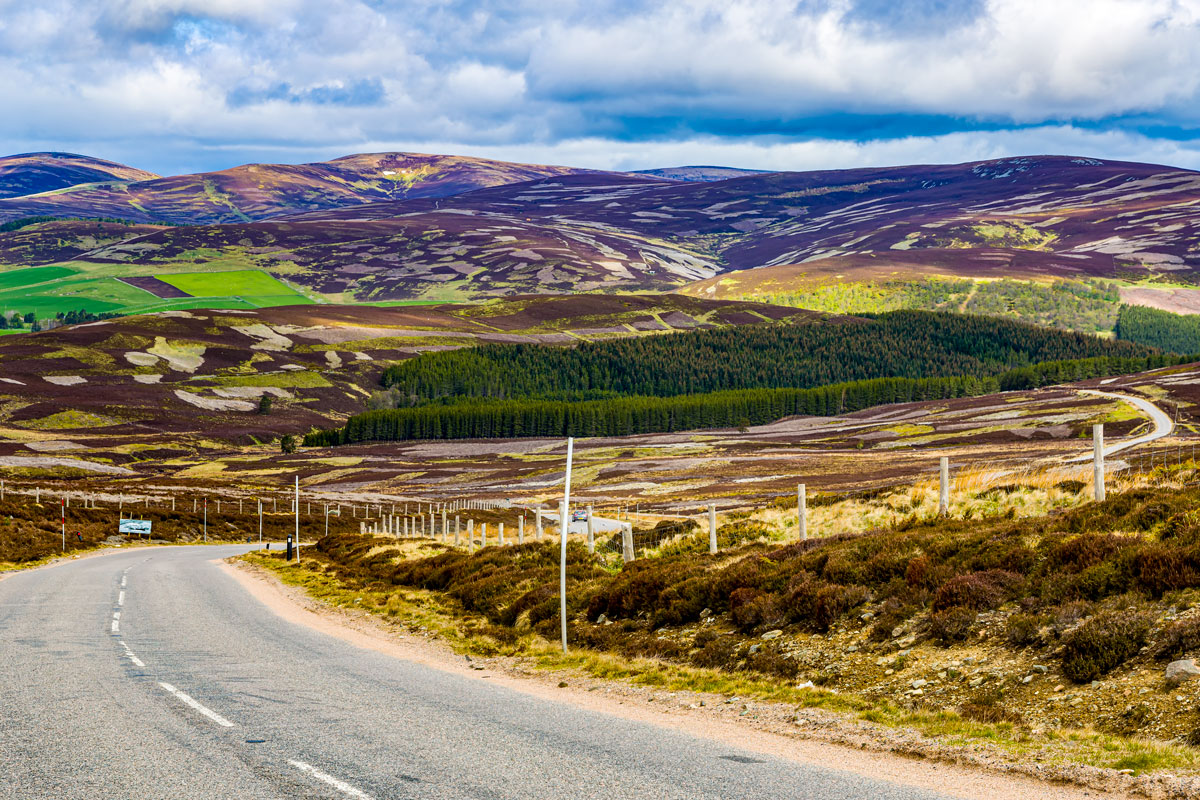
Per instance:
(188,85)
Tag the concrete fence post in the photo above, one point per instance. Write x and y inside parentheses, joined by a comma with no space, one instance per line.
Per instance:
(470,536)
(483,535)
(501,534)
(457,530)
(1098,460)
(521,529)
(444,523)
(538,513)
(712,528)
(944,487)
(802,511)
(627,542)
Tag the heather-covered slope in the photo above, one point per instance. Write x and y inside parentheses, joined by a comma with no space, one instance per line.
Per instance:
(1095,232)
(261,191)
(182,375)
(34,173)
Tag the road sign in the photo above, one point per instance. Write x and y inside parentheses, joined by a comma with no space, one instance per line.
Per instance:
(135,526)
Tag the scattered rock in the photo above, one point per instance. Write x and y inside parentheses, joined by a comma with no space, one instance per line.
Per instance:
(1181,671)
(769,635)
(919,682)
(602,619)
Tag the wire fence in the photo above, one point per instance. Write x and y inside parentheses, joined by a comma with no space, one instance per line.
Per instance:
(623,531)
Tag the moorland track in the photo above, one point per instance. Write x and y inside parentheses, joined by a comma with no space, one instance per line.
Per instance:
(1163,424)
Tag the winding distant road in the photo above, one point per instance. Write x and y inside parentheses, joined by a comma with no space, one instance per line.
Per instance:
(152,673)
(1163,424)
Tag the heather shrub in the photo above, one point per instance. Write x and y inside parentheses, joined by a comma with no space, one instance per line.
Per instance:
(817,605)
(891,614)
(1181,638)
(977,590)
(1023,630)
(754,608)
(952,625)
(1160,569)
(1102,644)
(771,662)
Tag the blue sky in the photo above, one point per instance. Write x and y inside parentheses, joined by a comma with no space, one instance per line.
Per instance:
(186,85)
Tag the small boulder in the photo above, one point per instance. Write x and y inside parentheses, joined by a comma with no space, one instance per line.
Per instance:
(918,683)
(1181,671)
(769,635)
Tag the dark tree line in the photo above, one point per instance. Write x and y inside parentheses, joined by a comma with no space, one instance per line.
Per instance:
(503,419)
(1173,333)
(903,344)
(727,377)
(486,419)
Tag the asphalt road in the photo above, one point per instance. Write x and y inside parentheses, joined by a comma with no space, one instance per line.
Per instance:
(153,674)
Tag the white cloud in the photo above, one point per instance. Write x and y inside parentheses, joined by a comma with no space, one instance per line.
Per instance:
(604,84)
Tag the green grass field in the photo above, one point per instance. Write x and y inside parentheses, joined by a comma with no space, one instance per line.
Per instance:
(246,283)
(95,288)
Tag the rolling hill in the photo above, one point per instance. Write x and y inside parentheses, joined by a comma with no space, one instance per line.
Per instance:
(1051,239)
(37,173)
(120,388)
(262,191)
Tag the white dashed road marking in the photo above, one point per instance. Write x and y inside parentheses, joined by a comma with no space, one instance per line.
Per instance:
(121,598)
(129,654)
(116,623)
(208,712)
(325,777)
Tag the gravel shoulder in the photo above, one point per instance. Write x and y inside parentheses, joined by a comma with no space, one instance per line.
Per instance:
(805,736)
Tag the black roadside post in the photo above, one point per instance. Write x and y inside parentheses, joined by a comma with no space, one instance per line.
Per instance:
(289,547)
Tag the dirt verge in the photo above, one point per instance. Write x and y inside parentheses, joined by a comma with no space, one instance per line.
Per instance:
(809,736)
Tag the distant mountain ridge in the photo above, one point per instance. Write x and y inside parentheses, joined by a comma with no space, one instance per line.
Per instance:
(34,173)
(447,228)
(699,174)
(254,192)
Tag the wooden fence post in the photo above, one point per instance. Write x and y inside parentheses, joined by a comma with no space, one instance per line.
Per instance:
(802,511)
(591,531)
(944,487)
(627,554)
(1098,461)
(712,528)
